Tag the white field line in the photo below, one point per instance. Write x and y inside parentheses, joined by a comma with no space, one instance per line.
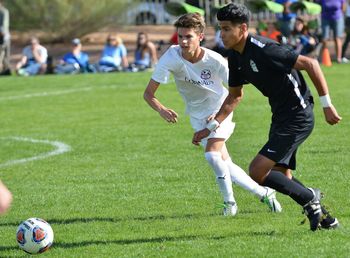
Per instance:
(53,93)
(60,148)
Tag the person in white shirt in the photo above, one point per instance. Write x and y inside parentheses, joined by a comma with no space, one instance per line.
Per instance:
(5,41)
(33,60)
(199,75)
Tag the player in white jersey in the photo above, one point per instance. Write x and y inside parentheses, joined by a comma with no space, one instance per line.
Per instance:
(199,75)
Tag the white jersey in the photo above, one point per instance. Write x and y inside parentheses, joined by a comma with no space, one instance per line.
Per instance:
(200,84)
(28,52)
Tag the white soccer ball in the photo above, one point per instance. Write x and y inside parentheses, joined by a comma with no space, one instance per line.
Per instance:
(34,235)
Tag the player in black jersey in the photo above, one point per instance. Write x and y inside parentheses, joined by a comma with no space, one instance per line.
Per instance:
(274,70)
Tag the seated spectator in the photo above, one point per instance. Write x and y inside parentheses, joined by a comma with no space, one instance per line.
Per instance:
(114,55)
(219,45)
(75,61)
(301,38)
(33,60)
(145,53)
(271,32)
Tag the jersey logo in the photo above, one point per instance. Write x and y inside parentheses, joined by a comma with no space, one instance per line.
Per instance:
(253,66)
(205,74)
(257,42)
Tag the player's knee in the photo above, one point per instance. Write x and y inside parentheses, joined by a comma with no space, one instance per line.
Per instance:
(213,157)
(255,174)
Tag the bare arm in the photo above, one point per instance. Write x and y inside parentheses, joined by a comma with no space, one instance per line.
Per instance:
(312,67)
(232,100)
(149,95)
(125,62)
(153,52)
(38,56)
(21,63)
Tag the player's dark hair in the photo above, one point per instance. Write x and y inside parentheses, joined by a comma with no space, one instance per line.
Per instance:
(191,21)
(235,13)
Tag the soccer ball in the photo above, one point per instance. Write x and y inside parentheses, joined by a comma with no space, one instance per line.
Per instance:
(34,235)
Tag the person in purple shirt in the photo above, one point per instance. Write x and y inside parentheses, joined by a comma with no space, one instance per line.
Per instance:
(286,19)
(332,18)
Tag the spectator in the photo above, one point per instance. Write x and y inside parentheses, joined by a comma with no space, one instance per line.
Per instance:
(332,18)
(219,45)
(75,61)
(4,40)
(145,53)
(286,20)
(33,60)
(271,32)
(114,55)
(301,38)
(347,31)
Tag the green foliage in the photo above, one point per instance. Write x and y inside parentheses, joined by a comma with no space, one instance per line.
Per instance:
(134,185)
(64,19)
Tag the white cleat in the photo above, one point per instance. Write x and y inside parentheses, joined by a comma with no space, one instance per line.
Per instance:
(270,200)
(230,208)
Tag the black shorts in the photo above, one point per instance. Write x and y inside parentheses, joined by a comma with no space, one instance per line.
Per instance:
(286,135)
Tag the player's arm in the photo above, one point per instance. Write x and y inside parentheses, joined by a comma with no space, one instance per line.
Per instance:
(232,100)
(312,67)
(167,114)
(153,52)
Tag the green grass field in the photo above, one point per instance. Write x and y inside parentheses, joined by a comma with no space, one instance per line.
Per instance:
(134,186)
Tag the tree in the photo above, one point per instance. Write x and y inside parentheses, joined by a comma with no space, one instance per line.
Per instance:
(62,20)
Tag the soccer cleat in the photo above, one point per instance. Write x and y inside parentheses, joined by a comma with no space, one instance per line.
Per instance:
(230,208)
(313,210)
(270,200)
(327,221)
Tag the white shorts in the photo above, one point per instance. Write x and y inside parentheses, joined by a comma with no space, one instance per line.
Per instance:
(224,131)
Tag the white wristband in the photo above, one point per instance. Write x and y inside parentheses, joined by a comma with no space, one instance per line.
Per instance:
(212,125)
(325,101)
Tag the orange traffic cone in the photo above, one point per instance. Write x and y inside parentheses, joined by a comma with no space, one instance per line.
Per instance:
(326,57)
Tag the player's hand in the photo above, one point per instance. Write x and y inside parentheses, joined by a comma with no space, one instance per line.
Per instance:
(331,115)
(198,136)
(211,117)
(169,115)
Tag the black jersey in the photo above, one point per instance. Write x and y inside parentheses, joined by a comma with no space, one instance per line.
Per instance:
(269,67)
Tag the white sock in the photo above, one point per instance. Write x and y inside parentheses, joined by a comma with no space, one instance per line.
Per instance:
(238,176)
(222,174)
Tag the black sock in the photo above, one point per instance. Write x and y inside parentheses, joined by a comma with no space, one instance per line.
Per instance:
(278,181)
(297,181)
(324,211)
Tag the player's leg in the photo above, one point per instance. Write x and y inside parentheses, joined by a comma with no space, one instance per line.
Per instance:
(263,170)
(328,221)
(5,198)
(214,157)
(240,177)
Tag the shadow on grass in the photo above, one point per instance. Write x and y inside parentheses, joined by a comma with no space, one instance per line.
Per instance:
(54,221)
(160,239)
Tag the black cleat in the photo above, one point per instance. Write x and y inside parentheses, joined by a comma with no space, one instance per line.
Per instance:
(327,221)
(313,210)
